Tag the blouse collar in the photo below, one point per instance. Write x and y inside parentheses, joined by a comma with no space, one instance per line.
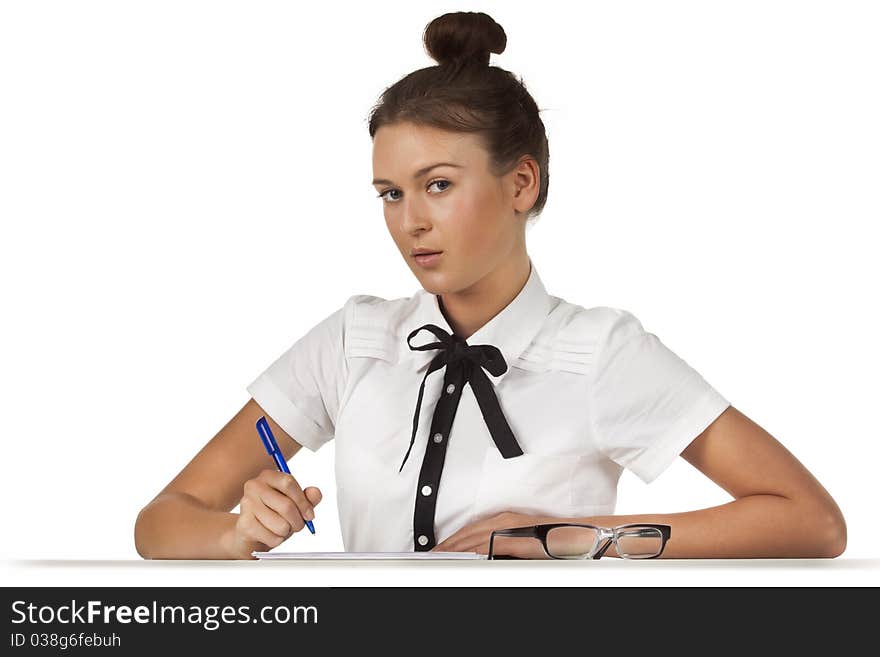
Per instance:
(511,330)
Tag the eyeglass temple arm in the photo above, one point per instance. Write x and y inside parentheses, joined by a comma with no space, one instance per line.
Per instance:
(515,531)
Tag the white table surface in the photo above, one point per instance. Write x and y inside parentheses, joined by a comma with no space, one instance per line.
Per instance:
(604,572)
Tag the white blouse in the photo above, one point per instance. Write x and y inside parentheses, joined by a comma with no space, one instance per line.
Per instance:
(585,393)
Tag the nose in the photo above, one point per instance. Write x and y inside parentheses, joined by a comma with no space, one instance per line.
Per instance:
(413,218)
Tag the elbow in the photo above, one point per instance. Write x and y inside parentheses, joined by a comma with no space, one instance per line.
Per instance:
(141,542)
(836,542)
(824,526)
(833,533)
(823,529)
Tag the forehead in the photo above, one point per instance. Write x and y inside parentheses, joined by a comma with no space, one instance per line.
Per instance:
(401,148)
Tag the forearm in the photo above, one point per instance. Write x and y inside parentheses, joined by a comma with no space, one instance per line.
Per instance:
(751,527)
(178,526)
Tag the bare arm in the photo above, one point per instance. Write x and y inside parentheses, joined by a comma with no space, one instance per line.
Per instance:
(780,509)
(190,518)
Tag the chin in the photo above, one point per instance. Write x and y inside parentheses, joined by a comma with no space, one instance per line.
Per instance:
(442,281)
(432,285)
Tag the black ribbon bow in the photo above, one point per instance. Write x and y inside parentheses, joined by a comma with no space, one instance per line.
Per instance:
(456,352)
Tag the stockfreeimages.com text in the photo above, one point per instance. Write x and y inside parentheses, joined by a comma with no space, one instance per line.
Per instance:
(210,616)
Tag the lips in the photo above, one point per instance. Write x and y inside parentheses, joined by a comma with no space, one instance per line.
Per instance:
(427,259)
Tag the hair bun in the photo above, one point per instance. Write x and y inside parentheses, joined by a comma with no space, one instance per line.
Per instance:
(464,35)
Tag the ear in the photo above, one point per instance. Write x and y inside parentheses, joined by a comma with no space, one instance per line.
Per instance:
(526,177)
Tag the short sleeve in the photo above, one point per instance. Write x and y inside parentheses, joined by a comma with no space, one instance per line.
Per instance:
(647,403)
(302,389)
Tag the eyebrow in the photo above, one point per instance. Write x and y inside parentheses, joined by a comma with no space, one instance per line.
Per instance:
(421,172)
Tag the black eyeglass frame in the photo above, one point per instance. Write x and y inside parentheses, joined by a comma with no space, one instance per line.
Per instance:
(607,534)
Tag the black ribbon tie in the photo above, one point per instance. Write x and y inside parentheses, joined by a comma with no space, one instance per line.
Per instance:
(456,352)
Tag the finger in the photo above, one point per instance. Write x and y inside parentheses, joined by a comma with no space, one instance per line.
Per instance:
(273,522)
(470,546)
(449,542)
(463,536)
(290,487)
(468,532)
(284,507)
(313,494)
(446,545)
(456,545)
(479,543)
(258,531)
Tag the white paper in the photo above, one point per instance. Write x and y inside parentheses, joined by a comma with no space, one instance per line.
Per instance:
(369,555)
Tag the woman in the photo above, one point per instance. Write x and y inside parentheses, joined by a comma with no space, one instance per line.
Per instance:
(541,403)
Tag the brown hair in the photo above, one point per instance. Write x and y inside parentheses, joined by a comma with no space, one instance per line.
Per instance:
(464,94)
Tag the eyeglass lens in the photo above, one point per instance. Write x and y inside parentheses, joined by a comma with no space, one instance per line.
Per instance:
(632,542)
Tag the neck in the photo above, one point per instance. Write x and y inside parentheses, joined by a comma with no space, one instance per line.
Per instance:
(470,309)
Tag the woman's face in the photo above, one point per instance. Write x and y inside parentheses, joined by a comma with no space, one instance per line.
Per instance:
(459,208)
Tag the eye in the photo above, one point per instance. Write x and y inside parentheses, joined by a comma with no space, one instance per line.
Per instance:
(382,195)
(433,182)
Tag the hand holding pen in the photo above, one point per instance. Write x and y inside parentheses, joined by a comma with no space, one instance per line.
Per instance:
(303,505)
(273,506)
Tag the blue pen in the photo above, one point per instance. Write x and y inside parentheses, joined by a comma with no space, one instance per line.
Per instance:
(272,447)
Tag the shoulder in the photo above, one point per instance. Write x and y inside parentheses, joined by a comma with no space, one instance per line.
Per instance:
(573,336)
(373,324)
(374,313)
(594,325)
(599,324)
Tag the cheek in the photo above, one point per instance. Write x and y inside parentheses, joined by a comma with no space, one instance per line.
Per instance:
(475,224)
(394,230)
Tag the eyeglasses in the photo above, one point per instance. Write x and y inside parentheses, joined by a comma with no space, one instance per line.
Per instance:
(563,540)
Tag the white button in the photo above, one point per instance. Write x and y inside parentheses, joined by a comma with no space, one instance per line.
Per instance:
(450,388)
(438,437)
(426,490)
(423,540)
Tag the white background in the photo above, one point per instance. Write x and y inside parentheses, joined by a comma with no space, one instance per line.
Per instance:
(185,191)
